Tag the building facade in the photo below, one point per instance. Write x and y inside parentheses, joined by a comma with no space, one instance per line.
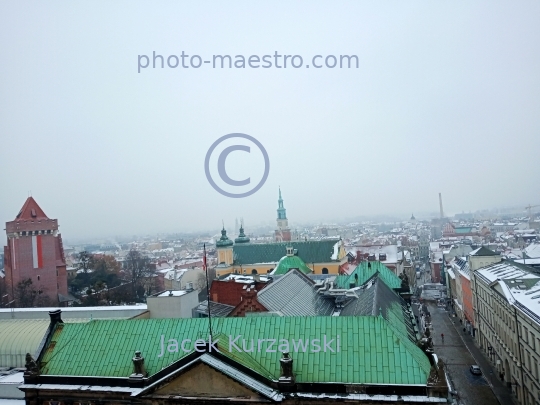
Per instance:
(507,311)
(35,252)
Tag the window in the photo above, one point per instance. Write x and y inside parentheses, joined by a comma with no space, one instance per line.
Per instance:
(254,271)
(324,270)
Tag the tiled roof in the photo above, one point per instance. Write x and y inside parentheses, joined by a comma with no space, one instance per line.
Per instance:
(293,295)
(377,299)
(217,310)
(291,262)
(365,271)
(483,251)
(319,251)
(229,292)
(31,211)
(371,351)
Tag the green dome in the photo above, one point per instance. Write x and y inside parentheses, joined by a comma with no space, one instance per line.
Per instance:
(242,238)
(224,241)
(291,262)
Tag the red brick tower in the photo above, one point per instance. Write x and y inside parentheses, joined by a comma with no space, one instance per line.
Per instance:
(34,251)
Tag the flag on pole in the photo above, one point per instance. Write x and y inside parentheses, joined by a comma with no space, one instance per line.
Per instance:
(204,257)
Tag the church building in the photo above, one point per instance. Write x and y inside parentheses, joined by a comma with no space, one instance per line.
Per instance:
(323,256)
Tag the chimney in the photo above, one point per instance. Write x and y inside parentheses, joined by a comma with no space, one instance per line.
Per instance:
(286,382)
(139,371)
(55,316)
(440,205)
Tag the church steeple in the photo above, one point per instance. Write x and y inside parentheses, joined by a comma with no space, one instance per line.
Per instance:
(283,233)
(281,212)
(242,238)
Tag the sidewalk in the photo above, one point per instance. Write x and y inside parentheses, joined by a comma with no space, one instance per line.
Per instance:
(502,392)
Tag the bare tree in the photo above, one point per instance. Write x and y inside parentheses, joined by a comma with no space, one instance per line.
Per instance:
(140,272)
(200,283)
(25,294)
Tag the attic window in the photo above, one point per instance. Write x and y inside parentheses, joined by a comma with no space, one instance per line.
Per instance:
(33,213)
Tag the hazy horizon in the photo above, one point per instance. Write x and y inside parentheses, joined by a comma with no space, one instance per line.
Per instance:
(445,99)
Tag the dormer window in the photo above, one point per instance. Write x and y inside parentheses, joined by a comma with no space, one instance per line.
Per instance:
(290,251)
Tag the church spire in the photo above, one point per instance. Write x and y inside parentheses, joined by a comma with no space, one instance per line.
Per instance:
(283,233)
(282,213)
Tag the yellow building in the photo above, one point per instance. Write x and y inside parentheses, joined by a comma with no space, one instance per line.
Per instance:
(242,257)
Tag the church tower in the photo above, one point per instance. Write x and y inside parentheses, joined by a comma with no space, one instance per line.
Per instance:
(282,233)
(34,251)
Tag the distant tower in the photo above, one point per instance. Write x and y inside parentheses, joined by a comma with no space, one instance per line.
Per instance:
(34,251)
(282,233)
(440,205)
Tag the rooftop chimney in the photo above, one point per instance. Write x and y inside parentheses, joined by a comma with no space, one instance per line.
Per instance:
(286,381)
(55,316)
(139,371)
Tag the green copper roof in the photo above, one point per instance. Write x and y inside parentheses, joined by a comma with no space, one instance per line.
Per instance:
(319,251)
(242,238)
(365,271)
(291,262)
(224,240)
(370,350)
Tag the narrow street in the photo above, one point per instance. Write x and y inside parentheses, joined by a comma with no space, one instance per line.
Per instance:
(458,352)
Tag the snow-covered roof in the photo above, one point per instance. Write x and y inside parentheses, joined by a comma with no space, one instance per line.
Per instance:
(533,250)
(520,286)
(174,293)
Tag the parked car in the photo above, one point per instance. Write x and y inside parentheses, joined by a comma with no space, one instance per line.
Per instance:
(475,370)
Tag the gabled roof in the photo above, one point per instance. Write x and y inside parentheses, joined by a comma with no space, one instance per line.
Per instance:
(31,211)
(483,251)
(294,295)
(370,349)
(377,299)
(319,251)
(291,262)
(365,271)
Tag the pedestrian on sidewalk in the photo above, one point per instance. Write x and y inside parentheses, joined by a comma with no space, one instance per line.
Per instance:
(442,337)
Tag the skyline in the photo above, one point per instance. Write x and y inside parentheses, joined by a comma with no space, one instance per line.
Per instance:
(445,99)
(229,222)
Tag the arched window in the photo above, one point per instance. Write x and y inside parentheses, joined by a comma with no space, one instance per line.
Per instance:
(254,271)
(270,271)
(324,270)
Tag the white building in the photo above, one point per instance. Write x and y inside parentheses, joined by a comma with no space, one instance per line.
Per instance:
(506,299)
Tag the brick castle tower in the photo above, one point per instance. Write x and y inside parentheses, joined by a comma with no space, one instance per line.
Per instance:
(34,251)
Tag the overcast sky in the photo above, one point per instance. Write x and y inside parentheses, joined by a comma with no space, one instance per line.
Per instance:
(446,98)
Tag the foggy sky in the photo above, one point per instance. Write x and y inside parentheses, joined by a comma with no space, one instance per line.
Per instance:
(446,99)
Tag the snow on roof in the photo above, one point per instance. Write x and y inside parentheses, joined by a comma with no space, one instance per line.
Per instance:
(517,283)
(244,279)
(336,250)
(174,293)
(78,309)
(533,250)
(15,378)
